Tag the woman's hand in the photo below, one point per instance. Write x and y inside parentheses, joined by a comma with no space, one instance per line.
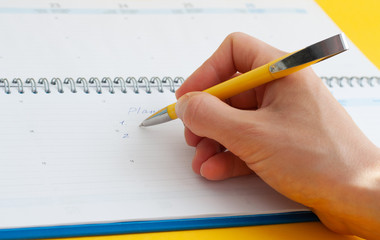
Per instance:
(291,132)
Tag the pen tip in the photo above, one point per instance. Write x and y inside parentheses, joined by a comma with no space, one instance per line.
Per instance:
(157,118)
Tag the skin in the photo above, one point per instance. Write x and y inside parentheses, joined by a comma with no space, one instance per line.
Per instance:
(291,132)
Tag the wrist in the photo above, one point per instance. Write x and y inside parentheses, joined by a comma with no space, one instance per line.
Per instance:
(355,205)
(366,197)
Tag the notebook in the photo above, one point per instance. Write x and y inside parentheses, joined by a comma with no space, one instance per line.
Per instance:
(76,80)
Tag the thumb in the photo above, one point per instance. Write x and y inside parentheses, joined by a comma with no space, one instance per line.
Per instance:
(208,116)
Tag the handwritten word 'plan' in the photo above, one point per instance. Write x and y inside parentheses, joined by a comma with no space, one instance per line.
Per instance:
(140,111)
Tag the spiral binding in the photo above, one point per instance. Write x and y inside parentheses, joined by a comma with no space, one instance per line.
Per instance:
(345,81)
(120,84)
(98,85)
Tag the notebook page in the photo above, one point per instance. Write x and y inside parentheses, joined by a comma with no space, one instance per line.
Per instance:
(76,158)
(79,158)
(106,38)
(361,99)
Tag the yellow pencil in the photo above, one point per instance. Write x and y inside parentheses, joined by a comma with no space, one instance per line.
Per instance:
(276,69)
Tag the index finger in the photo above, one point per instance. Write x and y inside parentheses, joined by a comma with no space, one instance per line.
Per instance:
(239,52)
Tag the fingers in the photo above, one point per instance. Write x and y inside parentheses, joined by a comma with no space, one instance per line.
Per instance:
(238,53)
(207,116)
(213,163)
(223,166)
(191,138)
(205,149)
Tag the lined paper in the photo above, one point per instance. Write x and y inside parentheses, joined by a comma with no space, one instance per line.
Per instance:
(76,158)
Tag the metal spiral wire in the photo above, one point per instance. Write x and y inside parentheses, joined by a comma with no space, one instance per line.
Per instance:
(73,87)
(92,84)
(351,81)
(148,85)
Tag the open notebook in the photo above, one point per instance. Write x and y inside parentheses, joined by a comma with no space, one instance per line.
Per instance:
(76,80)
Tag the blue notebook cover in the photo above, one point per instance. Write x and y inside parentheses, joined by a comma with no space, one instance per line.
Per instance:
(154,226)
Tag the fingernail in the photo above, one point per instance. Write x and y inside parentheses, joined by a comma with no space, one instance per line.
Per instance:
(181,105)
(201,170)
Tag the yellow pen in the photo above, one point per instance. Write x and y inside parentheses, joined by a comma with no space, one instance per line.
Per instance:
(278,68)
